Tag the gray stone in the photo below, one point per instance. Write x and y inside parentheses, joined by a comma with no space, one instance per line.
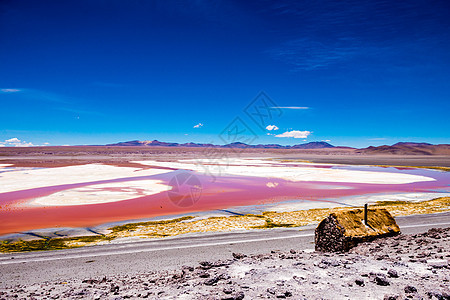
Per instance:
(410,289)
(392,273)
(380,280)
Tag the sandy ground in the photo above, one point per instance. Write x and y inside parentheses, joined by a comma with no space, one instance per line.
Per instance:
(406,266)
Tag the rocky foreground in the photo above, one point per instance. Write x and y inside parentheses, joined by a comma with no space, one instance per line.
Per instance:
(405,266)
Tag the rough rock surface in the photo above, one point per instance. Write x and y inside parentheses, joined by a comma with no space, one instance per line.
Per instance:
(342,230)
(400,267)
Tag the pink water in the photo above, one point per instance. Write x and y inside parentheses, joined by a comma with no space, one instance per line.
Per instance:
(221,193)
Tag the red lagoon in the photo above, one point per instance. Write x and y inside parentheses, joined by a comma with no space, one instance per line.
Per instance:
(203,194)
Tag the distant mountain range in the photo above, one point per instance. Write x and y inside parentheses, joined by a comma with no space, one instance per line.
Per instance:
(402,148)
(310,145)
(408,148)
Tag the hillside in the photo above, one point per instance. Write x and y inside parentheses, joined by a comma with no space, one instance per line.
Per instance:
(408,148)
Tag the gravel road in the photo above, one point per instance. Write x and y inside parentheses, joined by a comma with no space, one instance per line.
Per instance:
(414,265)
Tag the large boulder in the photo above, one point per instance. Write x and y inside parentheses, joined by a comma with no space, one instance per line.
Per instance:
(341,231)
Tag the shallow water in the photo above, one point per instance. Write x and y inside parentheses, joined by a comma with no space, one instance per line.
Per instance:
(199,193)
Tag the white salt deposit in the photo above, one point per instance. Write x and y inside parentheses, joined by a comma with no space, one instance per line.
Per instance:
(293,173)
(29,179)
(103,193)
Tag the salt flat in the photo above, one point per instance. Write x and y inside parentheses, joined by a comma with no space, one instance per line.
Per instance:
(275,170)
(30,179)
(103,193)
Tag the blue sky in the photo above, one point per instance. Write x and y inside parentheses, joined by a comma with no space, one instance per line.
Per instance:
(355,73)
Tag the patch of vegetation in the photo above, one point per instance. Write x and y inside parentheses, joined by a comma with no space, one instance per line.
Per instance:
(156,235)
(33,245)
(134,226)
(50,243)
(271,224)
(432,202)
(255,216)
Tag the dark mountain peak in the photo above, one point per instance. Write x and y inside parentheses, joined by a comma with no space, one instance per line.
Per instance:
(129,143)
(271,146)
(313,145)
(237,145)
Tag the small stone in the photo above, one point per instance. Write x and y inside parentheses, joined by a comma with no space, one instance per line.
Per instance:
(438,295)
(90,281)
(283,295)
(203,274)
(238,255)
(205,264)
(392,273)
(380,280)
(331,262)
(359,282)
(213,280)
(391,297)
(410,289)
(187,268)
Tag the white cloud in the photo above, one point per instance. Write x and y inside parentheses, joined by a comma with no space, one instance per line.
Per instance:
(272,127)
(10,90)
(296,134)
(15,142)
(326,140)
(291,107)
(198,125)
